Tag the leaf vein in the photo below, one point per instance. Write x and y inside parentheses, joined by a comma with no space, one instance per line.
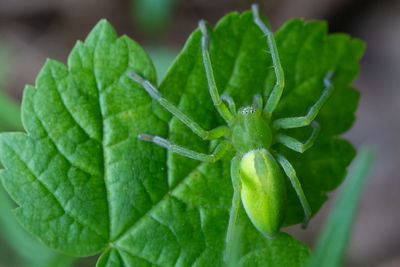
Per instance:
(136,256)
(102,134)
(75,218)
(67,109)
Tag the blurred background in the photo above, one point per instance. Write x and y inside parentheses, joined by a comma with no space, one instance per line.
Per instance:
(33,30)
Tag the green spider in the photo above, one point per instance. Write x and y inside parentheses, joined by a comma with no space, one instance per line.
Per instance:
(256,175)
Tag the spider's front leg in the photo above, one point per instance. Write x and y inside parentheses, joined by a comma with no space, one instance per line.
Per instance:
(189,122)
(296,122)
(258,101)
(231,103)
(308,119)
(212,86)
(276,92)
(186,152)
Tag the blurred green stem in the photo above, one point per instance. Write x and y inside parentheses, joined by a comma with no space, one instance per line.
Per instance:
(333,241)
(153,15)
(10,116)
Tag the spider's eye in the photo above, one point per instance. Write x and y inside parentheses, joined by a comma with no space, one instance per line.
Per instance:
(248,110)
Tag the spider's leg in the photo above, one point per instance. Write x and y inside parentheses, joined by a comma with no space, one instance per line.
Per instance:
(295,144)
(291,174)
(186,152)
(235,176)
(296,122)
(258,101)
(212,86)
(231,103)
(276,92)
(194,126)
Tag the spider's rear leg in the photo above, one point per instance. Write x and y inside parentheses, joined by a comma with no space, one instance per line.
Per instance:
(291,174)
(186,152)
(189,122)
(296,122)
(295,144)
(234,212)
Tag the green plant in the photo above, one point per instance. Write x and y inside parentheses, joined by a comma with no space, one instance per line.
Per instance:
(85,184)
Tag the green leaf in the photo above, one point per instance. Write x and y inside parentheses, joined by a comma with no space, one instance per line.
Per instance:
(85,183)
(332,242)
(78,175)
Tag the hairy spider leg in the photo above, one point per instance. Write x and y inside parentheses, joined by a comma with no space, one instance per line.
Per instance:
(276,92)
(189,122)
(296,122)
(212,86)
(235,176)
(291,173)
(216,155)
(295,144)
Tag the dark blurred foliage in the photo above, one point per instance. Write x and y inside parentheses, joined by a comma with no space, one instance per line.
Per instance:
(33,30)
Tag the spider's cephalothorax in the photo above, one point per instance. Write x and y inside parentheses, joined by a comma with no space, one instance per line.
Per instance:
(257,171)
(250,130)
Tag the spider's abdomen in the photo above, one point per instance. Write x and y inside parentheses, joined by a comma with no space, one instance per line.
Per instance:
(251,130)
(263,191)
